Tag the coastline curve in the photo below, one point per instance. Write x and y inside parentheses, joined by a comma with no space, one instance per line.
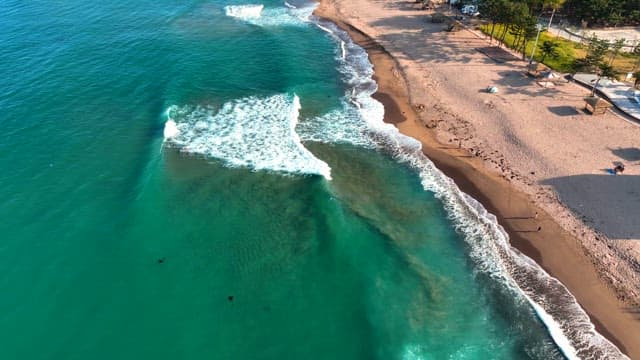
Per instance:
(568,324)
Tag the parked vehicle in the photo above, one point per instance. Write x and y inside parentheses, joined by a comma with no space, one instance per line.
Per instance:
(471,10)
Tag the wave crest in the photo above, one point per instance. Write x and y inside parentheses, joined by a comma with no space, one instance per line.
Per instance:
(244,11)
(257,133)
(288,15)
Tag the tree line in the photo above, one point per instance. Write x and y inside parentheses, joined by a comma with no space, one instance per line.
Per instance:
(590,13)
(519,21)
(519,18)
(598,13)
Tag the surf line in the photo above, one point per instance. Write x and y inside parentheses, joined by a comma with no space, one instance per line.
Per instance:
(343,44)
(514,268)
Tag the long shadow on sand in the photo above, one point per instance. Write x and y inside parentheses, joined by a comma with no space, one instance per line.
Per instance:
(402,5)
(517,82)
(414,34)
(563,110)
(609,203)
(628,154)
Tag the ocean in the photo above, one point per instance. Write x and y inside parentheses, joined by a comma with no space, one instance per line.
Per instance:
(213,180)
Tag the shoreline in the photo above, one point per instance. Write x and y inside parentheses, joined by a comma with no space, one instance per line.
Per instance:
(554,249)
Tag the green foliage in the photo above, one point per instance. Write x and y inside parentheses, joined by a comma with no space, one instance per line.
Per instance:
(595,13)
(636,53)
(595,55)
(492,9)
(513,22)
(549,48)
(615,49)
(607,71)
(565,50)
(553,4)
(520,24)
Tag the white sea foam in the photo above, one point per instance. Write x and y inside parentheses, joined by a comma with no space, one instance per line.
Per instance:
(287,15)
(244,11)
(258,133)
(568,324)
(170,129)
(356,120)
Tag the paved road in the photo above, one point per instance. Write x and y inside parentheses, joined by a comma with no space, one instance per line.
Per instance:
(632,35)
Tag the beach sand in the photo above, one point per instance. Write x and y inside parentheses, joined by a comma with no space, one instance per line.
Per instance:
(524,151)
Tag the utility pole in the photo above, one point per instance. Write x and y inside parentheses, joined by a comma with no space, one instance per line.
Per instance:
(551,18)
(535,44)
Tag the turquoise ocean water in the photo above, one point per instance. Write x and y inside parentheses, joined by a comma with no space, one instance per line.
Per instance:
(202,180)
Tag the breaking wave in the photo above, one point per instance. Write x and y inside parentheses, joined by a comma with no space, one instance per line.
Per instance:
(257,133)
(361,122)
(287,15)
(244,11)
(358,120)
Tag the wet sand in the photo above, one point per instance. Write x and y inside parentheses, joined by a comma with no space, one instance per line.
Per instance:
(407,105)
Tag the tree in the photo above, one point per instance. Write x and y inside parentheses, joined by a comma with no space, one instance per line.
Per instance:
(554,5)
(521,24)
(494,11)
(507,16)
(615,19)
(604,70)
(595,55)
(603,12)
(599,48)
(529,31)
(616,47)
(607,71)
(549,48)
(636,52)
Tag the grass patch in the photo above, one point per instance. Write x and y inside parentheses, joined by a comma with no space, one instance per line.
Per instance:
(568,51)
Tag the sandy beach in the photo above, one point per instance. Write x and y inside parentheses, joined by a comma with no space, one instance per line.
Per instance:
(529,154)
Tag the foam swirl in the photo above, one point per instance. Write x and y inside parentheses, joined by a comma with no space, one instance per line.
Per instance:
(257,133)
(258,15)
(244,11)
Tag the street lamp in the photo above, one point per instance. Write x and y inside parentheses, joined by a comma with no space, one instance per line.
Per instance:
(535,44)
(595,86)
